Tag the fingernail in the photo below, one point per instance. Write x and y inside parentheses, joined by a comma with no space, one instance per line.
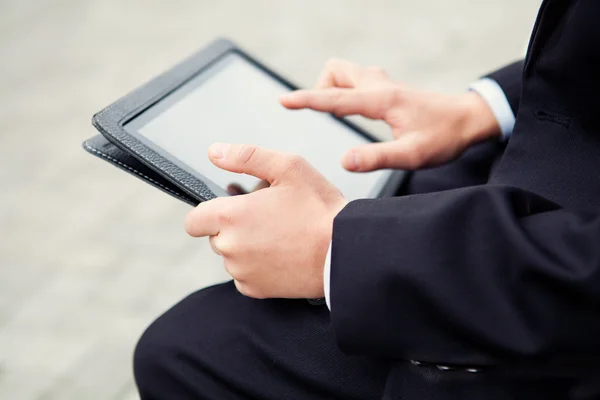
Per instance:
(286,98)
(218,150)
(353,160)
(290,95)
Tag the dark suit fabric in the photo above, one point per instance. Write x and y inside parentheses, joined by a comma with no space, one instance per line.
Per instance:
(505,274)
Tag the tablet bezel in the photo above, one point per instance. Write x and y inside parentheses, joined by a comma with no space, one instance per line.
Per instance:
(111,120)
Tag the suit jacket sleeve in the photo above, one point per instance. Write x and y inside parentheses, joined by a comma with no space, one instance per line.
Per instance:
(471,276)
(510,80)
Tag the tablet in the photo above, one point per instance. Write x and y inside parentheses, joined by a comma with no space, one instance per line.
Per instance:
(221,94)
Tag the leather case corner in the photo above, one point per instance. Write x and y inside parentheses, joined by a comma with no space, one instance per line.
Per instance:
(102,148)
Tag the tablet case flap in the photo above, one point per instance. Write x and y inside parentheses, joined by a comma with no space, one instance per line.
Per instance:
(102,148)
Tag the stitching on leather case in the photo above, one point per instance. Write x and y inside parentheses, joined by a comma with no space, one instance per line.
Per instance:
(135,171)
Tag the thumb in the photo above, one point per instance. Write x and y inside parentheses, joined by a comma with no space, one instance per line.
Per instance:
(402,153)
(260,162)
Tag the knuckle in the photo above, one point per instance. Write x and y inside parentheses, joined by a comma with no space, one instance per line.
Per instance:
(312,100)
(294,163)
(255,293)
(223,246)
(232,271)
(214,245)
(336,97)
(247,290)
(336,102)
(259,295)
(238,271)
(394,95)
(225,212)
(390,99)
(378,105)
(225,218)
(380,160)
(414,157)
(247,153)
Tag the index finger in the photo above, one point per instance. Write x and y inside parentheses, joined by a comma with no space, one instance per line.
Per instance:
(204,219)
(341,102)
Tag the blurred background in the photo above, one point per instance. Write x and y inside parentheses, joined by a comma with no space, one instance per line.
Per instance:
(89,255)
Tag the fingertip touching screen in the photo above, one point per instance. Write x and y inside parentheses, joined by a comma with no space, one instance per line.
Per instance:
(235,101)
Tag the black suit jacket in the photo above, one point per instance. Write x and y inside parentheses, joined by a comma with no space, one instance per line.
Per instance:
(504,276)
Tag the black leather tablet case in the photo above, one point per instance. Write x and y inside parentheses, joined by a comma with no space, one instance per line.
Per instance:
(102,148)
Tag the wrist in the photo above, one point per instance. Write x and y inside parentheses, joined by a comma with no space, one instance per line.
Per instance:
(479,120)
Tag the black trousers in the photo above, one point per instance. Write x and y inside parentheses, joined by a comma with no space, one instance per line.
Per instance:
(218,344)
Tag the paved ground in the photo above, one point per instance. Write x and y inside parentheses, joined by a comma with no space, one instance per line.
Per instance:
(89,255)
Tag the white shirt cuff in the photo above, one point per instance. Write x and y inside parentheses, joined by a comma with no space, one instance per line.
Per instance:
(494,96)
(327,277)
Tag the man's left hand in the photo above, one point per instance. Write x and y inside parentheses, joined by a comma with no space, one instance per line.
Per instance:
(273,241)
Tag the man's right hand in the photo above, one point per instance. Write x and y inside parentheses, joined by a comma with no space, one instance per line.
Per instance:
(429,128)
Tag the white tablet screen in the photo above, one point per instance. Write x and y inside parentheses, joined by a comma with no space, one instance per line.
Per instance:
(234,101)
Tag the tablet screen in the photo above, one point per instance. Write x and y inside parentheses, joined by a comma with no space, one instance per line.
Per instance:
(234,101)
